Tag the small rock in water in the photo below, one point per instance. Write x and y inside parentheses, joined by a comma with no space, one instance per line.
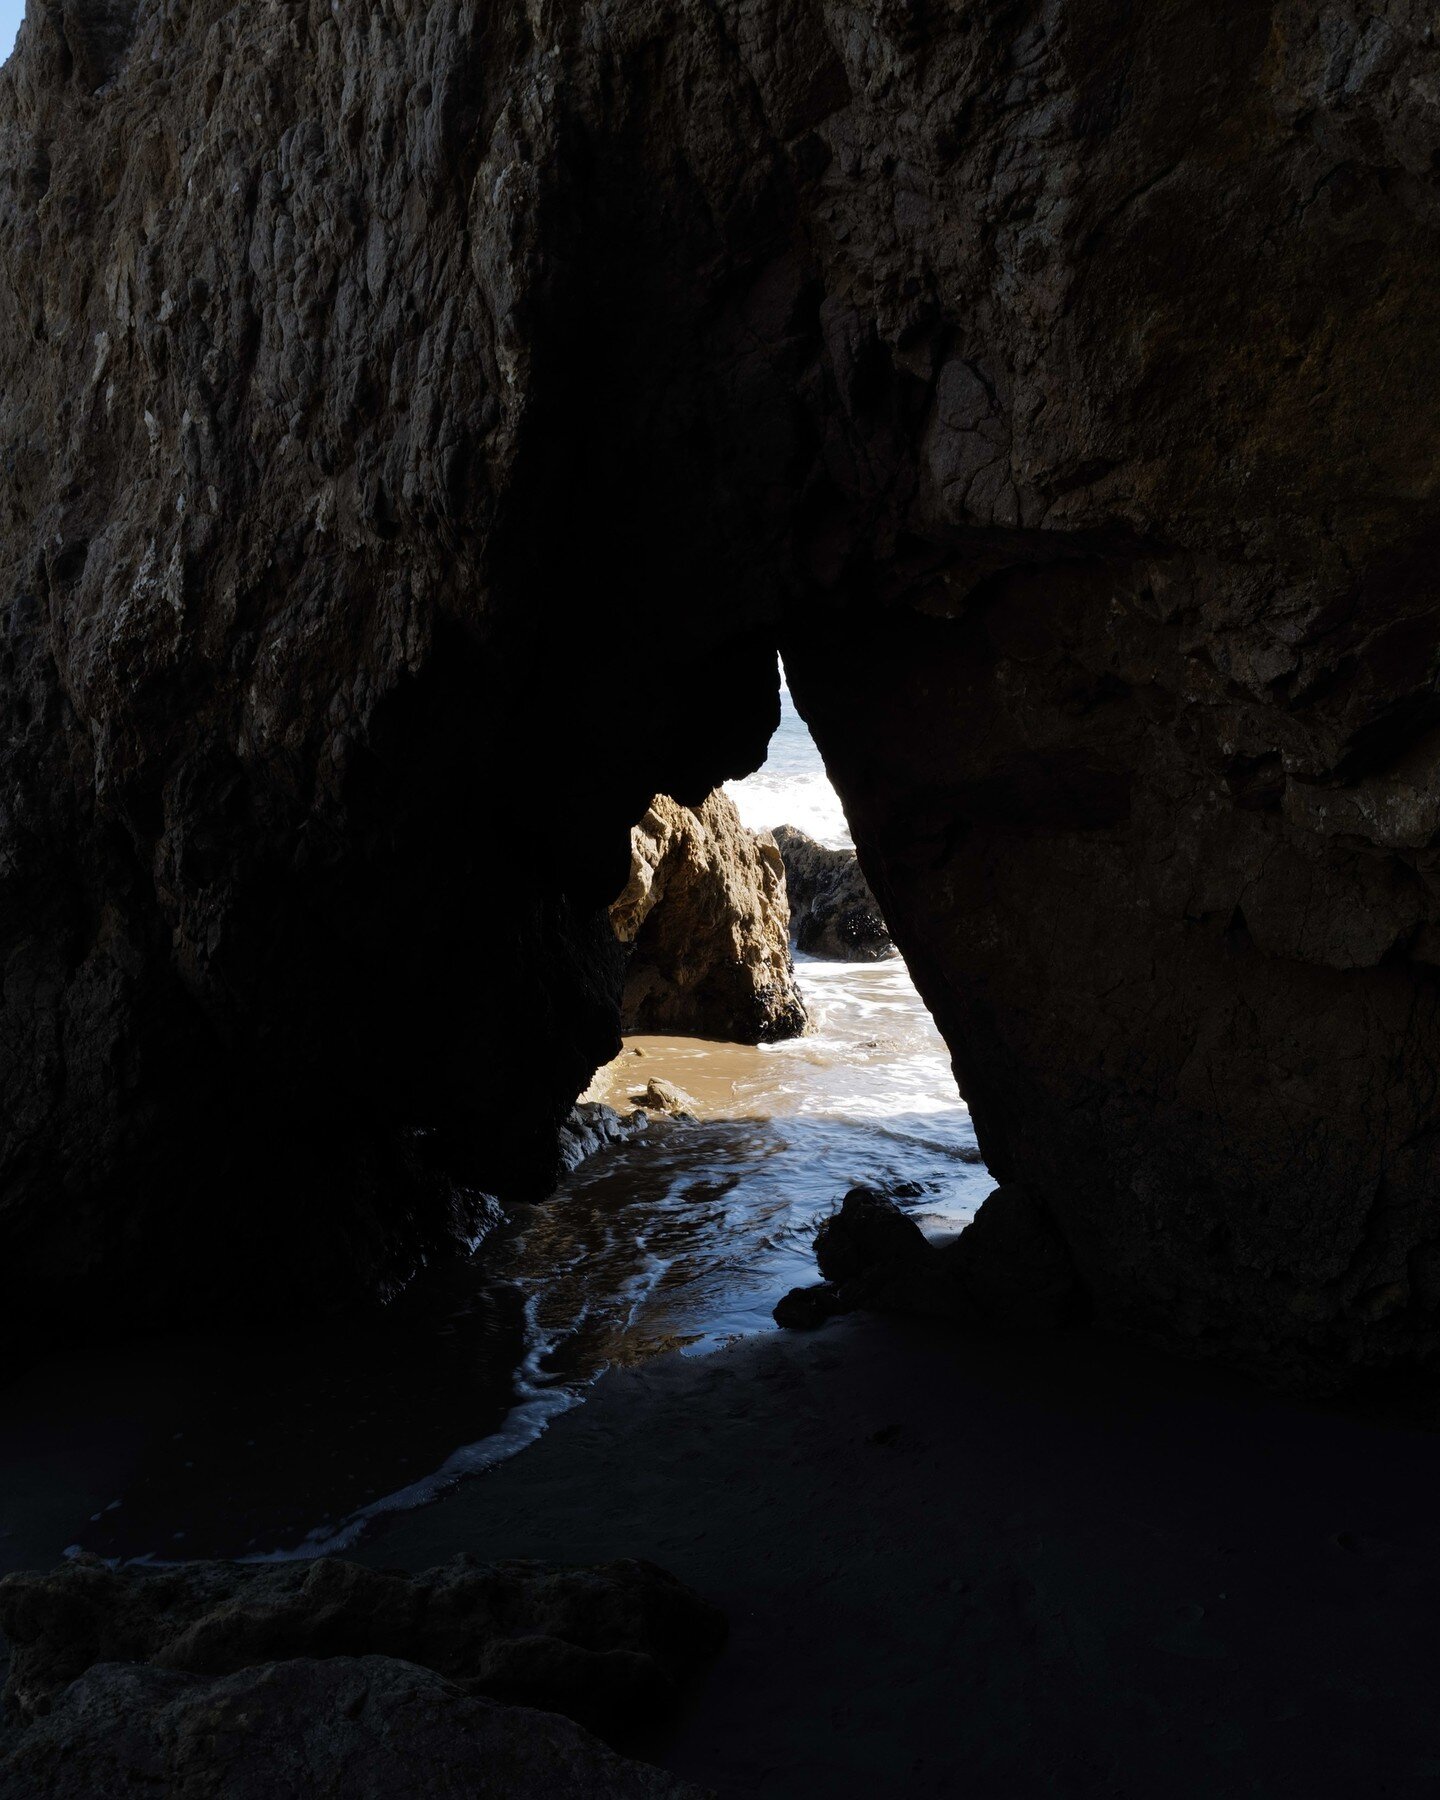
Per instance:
(593,1126)
(808,1308)
(665,1097)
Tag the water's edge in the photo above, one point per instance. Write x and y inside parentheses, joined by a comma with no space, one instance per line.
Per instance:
(680,1235)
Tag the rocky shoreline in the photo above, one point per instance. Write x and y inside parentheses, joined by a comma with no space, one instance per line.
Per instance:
(425,430)
(1098,568)
(1086,1567)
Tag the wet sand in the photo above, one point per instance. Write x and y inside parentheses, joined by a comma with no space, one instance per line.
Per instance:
(1009,1569)
(283,1441)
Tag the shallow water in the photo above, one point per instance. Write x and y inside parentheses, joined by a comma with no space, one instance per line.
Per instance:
(725,1209)
(688,1234)
(682,1236)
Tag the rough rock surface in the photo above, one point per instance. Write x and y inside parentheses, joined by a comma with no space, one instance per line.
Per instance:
(832,911)
(392,399)
(592,1127)
(605,1646)
(707,924)
(349,1728)
(1009,1270)
(662,1096)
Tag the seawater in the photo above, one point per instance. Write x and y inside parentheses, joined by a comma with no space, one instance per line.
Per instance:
(682,1236)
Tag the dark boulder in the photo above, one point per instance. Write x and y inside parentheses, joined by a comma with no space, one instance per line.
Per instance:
(347,1728)
(808,1308)
(606,1645)
(832,911)
(1009,1270)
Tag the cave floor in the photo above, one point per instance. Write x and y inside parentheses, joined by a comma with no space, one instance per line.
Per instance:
(1052,1567)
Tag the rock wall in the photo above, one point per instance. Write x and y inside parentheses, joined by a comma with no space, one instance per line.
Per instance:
(314,798)
(832,911)
(706,924)
(395,398)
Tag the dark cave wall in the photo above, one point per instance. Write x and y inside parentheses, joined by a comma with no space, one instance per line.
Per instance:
(322,613)
(420,428)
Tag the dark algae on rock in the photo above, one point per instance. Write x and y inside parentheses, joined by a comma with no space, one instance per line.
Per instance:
(832,911)
(394,400)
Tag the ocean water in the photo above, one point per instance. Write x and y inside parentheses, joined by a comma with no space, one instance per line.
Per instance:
(687,1234)
(792,788)
(681,1235)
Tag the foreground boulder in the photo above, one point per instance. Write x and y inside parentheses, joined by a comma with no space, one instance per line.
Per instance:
(707,923)
(606,1646)
(1009,1270)
(347,1728)
(832,911)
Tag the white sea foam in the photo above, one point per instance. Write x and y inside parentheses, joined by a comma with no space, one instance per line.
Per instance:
(539,1400)
(792,788)
(526,1421)
(806,801)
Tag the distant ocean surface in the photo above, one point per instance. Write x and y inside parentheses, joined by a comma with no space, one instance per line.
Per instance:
(792,788)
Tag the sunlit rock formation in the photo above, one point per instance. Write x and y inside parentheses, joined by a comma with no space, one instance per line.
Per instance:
(706,924)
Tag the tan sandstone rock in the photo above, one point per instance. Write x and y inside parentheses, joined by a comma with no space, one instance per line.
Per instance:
(708,922)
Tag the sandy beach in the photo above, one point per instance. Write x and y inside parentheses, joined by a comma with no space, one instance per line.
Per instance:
(1001,1569)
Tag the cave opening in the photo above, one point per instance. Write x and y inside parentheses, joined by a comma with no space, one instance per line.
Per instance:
(422,426)
(695,1170)
(767,1129)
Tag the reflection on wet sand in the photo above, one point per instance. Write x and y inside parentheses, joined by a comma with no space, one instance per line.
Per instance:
(688,1233)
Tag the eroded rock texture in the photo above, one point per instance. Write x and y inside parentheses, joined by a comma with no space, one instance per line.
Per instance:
(395,398)
(832,911)
(347,1728)
(706,925)
(606,1646)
